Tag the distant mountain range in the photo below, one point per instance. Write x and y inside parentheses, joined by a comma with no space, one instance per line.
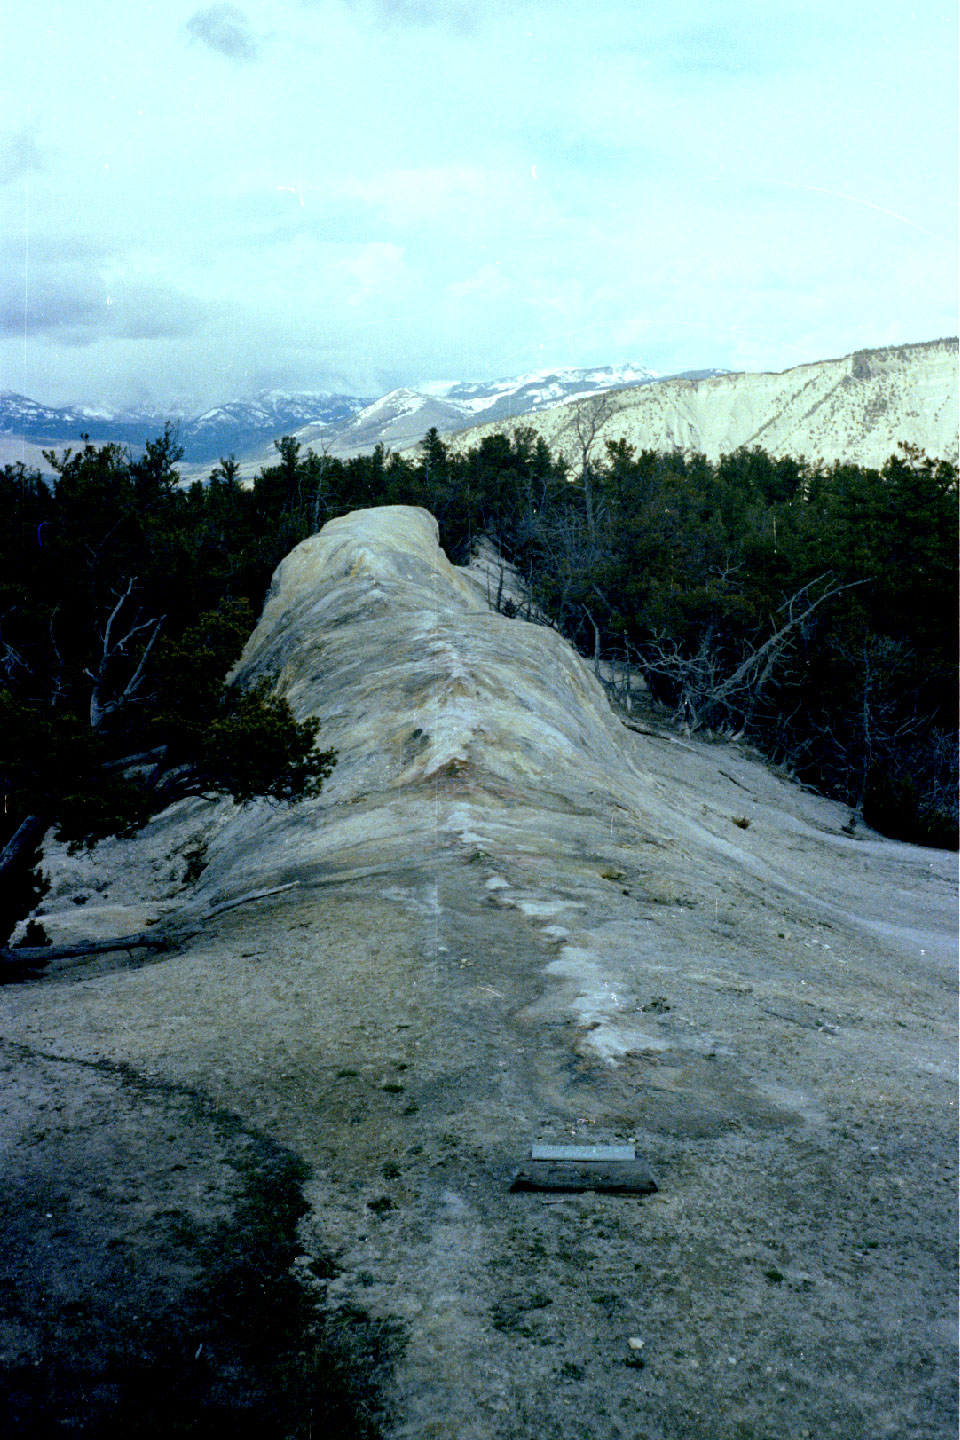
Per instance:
(234,427)
(856,408)
(343,424)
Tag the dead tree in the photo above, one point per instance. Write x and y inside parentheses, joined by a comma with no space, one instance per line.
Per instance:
(319,472)
(587,419)
(113,647)
(707,690)
(125,645)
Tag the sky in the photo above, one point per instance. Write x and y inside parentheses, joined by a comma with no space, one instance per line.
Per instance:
(201,202)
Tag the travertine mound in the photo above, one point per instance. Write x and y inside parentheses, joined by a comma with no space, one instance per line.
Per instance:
(369,625)
(856,409)
(450,720)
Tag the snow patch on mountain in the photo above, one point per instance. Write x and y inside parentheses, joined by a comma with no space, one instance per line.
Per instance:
(392,405)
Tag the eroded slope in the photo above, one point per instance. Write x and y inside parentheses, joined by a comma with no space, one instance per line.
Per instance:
(857,409)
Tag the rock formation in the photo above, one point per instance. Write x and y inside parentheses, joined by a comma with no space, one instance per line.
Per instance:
(855,409)
(511,919)
(456,728)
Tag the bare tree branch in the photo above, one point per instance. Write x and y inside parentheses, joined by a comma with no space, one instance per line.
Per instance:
(708,695)
(110,649)
(587,419)
(11,659)
(765,656)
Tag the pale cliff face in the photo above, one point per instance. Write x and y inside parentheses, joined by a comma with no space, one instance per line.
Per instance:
(856,409)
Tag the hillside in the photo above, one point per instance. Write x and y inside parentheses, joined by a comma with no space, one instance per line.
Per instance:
(508,918)
(854,409)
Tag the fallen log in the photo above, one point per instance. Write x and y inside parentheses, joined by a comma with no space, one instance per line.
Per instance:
(245,899)
(143,940)
(31,954)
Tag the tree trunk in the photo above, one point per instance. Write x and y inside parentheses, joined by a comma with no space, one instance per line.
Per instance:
(24,838)
(22,954)
(587,479)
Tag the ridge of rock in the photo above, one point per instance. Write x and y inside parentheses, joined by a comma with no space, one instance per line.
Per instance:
(856,409)
(420,685)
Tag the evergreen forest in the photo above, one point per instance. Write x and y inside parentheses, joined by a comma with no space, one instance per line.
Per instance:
(808,608)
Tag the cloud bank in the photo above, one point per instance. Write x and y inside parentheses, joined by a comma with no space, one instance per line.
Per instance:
(320,193)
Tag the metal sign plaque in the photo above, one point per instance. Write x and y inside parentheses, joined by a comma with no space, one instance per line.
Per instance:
(604,1169)
(600,1153)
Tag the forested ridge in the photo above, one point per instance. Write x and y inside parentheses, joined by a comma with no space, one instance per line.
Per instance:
(809,608)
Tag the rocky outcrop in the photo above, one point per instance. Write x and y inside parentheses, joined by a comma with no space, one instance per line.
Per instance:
(449,720)
(855,409)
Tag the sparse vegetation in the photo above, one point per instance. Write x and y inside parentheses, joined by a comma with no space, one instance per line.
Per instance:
(657,1006)
(195,856)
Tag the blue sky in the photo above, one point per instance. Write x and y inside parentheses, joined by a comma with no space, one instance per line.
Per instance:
(199,201)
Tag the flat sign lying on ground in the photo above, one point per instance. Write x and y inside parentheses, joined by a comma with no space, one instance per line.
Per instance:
(606,1169)
(583,1152)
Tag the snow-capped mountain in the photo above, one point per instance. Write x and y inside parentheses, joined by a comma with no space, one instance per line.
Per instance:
(404,416)
(343,424)
(400,418)
(29,417)
(234,427)
(240,425)
(51,425)
(521,394)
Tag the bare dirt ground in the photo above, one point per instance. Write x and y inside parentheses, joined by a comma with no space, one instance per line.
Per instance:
(265,1176)
(408,1040)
